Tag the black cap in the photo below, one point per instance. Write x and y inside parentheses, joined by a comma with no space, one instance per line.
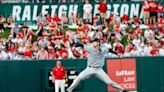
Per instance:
(95,40)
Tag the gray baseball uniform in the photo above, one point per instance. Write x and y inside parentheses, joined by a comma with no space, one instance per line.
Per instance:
(95,63)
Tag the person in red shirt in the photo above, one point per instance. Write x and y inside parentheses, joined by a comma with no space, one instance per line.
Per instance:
(48,18)
(64,52)
(153,11)
(146,14)
(56,19)
(125,19)
(160,9)
(136,21)
(103,9)
(111,19)
(59,74)
(154,51)
(28,53)
(160,22)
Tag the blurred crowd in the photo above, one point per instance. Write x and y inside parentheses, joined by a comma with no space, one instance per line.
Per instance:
(129,37)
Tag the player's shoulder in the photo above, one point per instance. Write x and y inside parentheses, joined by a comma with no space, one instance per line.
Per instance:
(62,67)
(54,68)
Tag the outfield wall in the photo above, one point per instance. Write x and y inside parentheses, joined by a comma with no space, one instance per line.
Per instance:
(32,76)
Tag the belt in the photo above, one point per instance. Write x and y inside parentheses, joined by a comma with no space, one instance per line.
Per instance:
(93,67)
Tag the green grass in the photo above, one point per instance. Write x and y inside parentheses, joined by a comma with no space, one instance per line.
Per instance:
(5,34)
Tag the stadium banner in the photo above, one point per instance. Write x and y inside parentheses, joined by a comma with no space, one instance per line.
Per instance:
(123,72)
(30,11)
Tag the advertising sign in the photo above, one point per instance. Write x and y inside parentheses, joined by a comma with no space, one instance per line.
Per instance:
(123,72)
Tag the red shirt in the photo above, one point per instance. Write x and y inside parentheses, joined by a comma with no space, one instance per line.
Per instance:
(136,20)
(20,35)
(145,7)
(12,49)
(160,8)
(125,17)
(48,19)
(154,52)
(28,54)
(80,29)
(59,72)
(153,6)
(119,49)
(111,18)
(160,20)
(117,28)
(64,54)
(103,7)
(56,19)
(138,31)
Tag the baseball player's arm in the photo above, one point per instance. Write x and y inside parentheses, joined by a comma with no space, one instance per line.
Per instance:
(84,46)
(111,51)
(119,55)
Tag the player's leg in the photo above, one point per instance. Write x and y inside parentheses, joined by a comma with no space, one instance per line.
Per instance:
(62,86)
(83,75)
(105,78)
(57,85)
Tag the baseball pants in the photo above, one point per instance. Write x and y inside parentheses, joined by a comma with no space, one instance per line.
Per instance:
(97,72)
(59,84)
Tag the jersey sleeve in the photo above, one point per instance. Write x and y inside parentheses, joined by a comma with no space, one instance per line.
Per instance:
(88,48)
(106,50)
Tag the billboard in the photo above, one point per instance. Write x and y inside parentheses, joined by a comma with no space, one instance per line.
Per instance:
(30,11)
(123,72)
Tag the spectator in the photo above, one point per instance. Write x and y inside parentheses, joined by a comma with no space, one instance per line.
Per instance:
(103,9)
(42,54)
(160,9)
(28,53)
(87,8)
(64,20)
(161,50)
(30,35)
(2,20)
(153,11)
(72,19)
(125,19)
(15,30)
(3,53)
(147,49)
(146,14)
(10,21)
(118,48)
(79,20)
(41,19)
(136,21)
(149,34)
